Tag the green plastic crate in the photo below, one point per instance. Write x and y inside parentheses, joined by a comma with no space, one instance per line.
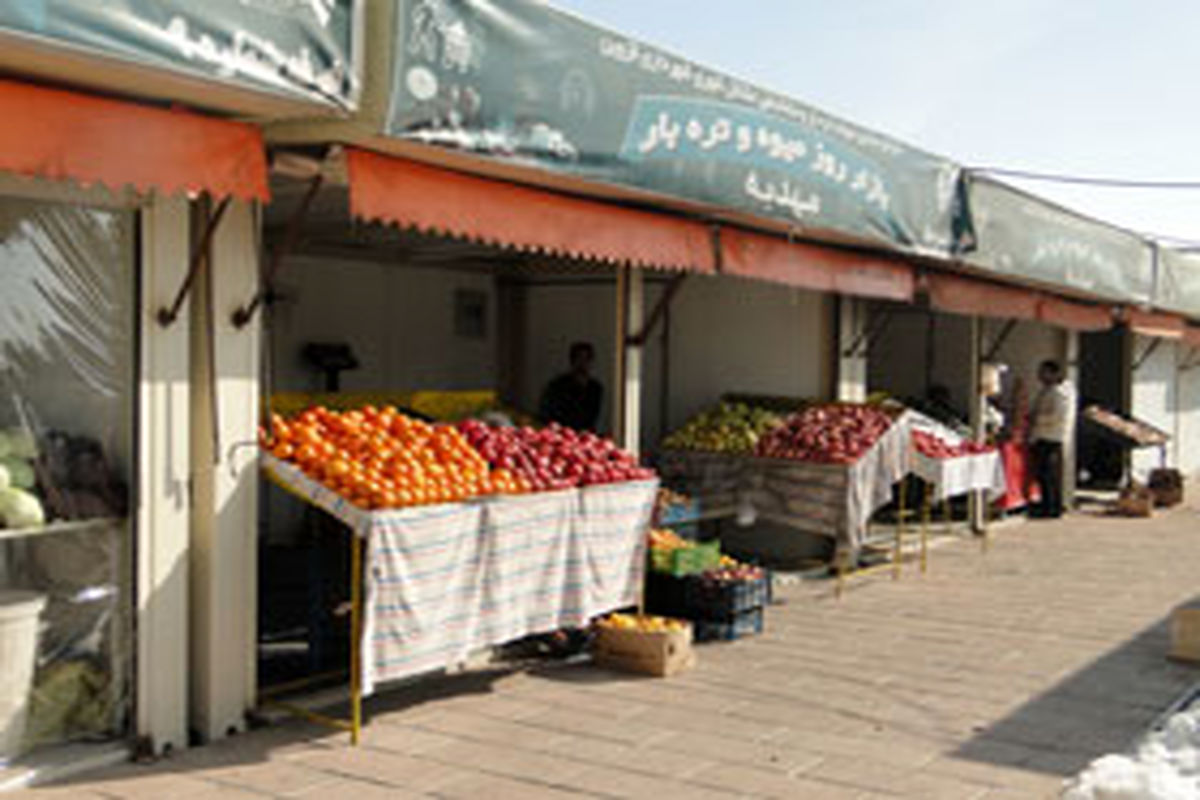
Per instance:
(688,560)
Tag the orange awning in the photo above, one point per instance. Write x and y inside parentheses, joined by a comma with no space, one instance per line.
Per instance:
(1191,337)
(407,193)
(1146,323)
(1074,316)
(809,266)
(959,295)
(62,135)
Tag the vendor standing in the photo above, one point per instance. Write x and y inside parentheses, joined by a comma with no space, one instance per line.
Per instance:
(574,398)
(1052,425)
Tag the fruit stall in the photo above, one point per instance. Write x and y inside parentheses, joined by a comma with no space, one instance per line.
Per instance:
(467,535)
(823,470)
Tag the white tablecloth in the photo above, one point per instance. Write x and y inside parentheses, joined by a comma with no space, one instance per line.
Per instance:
(444,581)
(954,476)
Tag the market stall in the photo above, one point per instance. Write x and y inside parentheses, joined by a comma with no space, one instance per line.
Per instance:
(823,471)
(464,536)
(953,466)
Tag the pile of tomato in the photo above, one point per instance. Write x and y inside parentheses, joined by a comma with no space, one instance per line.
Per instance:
(378,458)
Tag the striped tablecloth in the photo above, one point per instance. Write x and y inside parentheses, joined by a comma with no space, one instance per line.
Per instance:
(444,581)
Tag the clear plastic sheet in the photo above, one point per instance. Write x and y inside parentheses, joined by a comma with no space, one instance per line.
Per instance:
(67,383)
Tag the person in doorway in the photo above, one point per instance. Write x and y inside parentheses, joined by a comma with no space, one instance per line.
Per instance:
(574,398)
(1052,425)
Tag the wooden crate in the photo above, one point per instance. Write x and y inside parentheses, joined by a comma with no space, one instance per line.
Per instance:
(659,653)
(1185,634)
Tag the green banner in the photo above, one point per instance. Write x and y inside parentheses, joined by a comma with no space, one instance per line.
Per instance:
(297,48)
(1024,237)
(1178,287)
(524,83)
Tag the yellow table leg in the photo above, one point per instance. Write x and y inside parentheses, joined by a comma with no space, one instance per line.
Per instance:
(356,600)
(896,550)
(926,513)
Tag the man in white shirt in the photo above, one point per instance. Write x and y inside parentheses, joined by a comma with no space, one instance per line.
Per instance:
(1052,426)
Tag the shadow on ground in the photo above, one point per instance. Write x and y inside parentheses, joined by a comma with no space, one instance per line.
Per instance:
(1104,708)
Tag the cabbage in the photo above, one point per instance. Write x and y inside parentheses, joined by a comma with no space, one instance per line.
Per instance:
(21,443)
(20,509)
(20,472)
(5,478)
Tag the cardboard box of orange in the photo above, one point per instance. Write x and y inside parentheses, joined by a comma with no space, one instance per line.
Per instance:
(654,649)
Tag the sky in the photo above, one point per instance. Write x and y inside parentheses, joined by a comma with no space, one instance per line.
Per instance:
(1106,88)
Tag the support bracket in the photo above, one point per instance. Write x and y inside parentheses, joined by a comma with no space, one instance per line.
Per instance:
(243,315)
(877,323)
(1002,337)
(640,338)
(1154,344)
(1191,360)
(167,315)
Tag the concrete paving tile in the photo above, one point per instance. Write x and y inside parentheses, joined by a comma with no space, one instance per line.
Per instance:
(495,787)
(565,721)
(150,783)
(53,793)
(902,751)
(655,761)
(350,789)
(931,786)
(862,773)
(634,786)
(746,781)
(997,674)
(387,769)
(404,739)
(771,755)
(476,727)
(500,760)
(277,778)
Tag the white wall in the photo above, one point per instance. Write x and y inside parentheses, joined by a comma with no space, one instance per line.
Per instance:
(1188,430)
(727,335)
(898,362)
(556,315)
(737,335)
(1155,400)
(399,320)
(1029,345)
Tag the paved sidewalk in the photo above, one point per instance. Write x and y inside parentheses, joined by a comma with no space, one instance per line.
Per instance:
(991,677)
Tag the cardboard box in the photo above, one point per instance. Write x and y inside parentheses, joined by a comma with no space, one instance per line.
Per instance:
(1135,501)
(1167,487)
(660,653)
(1185,634)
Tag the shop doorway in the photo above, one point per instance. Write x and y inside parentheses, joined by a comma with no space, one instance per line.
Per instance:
(1103,381)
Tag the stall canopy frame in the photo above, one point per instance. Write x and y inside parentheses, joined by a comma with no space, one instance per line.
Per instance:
(435,200)
(63,135)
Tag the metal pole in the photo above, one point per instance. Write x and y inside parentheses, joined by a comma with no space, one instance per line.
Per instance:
(899,530)
(976,501)
(356,643)
(926,513)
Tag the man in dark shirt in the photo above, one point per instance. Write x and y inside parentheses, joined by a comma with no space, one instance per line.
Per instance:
(573,399)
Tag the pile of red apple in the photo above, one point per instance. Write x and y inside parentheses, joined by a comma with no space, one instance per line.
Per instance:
(741,573)
(934,446)
(826,434)
(553,457)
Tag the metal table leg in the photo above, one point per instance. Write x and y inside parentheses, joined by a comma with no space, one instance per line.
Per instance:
(356,601)
(926,514)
